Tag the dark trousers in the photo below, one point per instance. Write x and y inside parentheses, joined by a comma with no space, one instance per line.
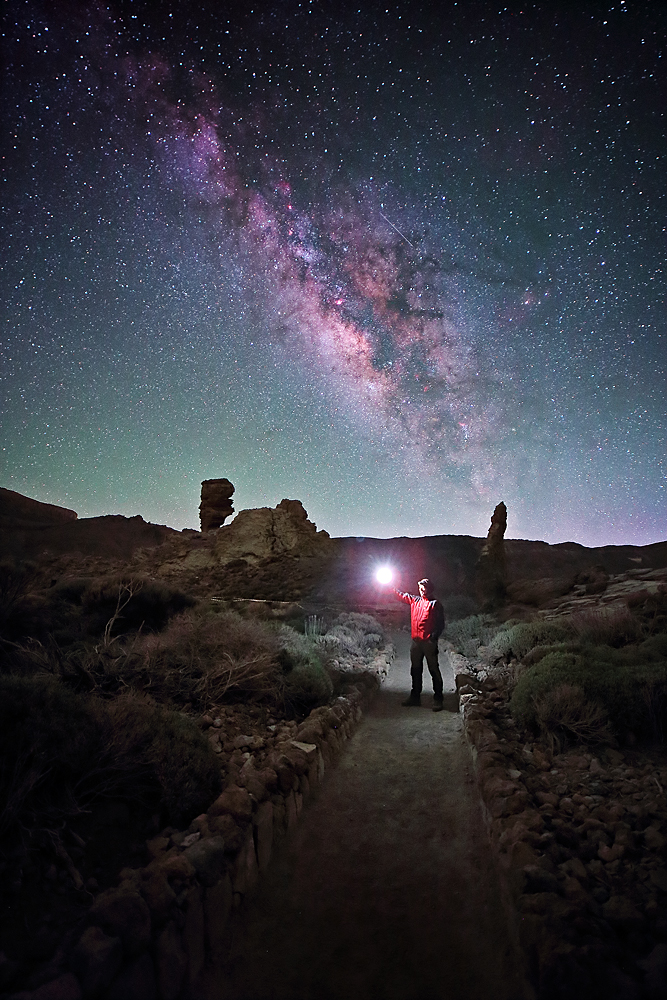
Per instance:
(419,649)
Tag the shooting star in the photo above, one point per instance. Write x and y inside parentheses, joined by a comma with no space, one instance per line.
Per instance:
(403,237)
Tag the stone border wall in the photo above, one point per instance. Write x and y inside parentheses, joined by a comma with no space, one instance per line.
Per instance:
(581,840)
(149,938)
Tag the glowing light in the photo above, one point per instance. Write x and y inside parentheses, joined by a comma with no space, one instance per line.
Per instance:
(384,575)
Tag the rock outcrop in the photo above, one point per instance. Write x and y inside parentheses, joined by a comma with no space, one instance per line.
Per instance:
(17,510)
(270,532)
(216,505)
(491,567)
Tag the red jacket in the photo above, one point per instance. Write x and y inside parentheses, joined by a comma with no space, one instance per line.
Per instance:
(427,618)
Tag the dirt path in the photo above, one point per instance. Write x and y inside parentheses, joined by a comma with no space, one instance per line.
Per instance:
(387,890)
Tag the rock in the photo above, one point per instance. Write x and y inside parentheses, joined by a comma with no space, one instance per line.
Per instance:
(216,505)
(267,532)
(207,857)
(217,907)
(231,831)
(655,969)
(135,982)
(539,880)
(123,913)
(65,987)
(659,878)
(245,873)
(177,869)
(95,960)
(158,894)
(653,839)
(193,932)
(18,510)
(595,579)
(621,912)
(235,801)
(171,962)
(491,570)
(263,822)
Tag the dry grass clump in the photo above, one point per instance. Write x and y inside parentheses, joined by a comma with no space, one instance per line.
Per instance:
(202,658)
(565,716)
(606,626)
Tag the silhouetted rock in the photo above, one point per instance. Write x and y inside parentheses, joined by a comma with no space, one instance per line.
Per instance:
(216,505)
(491,567)
(269,532)
(20,511)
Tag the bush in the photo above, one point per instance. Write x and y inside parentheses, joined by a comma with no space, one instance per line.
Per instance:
(62,752)
(564,716)
(201,658)
(519,639)
(353,634)
(615,626)
(468,634)
(123,605)
(617,680)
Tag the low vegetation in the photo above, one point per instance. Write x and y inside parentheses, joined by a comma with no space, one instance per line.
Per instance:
(103,681)
(598,676)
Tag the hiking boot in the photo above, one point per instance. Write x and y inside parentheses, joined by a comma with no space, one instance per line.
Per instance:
(438,704)
(414,701)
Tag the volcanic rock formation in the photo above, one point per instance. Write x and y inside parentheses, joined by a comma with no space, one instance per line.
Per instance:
(17,510)
(216,505)
(491,567)
(268,532)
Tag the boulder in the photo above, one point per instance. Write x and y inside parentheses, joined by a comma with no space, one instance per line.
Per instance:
(216,505)
(271,532)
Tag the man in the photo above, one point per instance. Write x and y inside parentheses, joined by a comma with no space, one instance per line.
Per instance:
(427,621)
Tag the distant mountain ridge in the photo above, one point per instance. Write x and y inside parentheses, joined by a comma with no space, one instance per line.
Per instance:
(31,529)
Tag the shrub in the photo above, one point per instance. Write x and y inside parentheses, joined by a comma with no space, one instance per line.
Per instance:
(519,639)
(353,634)
(609,626)
(200,658)
(615,679)
(564,715)
(122,605)
(62,752)
(468,634)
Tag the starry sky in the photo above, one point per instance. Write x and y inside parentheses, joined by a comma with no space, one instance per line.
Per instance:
(397,261)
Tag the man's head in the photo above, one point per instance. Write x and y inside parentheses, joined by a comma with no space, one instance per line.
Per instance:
(425,588)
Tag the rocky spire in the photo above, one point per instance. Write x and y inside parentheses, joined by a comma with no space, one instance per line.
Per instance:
(216,505)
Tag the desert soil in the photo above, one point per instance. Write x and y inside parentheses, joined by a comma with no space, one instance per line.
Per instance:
(387,889)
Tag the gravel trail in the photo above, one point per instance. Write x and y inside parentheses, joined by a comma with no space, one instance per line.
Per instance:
(387,890)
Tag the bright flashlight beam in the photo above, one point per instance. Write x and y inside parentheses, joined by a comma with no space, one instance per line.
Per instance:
(384,575)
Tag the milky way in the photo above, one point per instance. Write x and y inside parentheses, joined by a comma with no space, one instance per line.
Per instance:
(396,266)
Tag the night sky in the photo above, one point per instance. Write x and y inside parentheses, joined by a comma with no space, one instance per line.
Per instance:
(396,264)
